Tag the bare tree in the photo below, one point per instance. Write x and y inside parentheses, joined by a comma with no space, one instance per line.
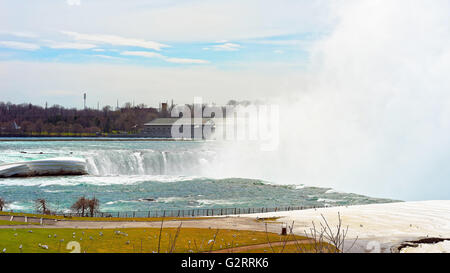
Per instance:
(327,239)
(2,204)
(93,205)
(81,205)
(41,206)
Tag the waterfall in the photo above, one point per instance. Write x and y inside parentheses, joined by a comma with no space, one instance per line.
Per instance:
(147,162)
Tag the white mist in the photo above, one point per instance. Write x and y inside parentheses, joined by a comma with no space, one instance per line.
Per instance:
(373,116)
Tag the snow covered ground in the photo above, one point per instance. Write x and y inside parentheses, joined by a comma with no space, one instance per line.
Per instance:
(52,166)
(441,247)
(379,226)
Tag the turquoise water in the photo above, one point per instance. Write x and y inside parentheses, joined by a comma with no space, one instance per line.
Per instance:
(176,175)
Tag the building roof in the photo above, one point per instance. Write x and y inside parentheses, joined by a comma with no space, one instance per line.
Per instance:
(171,121)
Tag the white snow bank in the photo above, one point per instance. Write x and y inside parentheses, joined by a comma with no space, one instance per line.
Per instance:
(377,224)
(441,247)
(54,166)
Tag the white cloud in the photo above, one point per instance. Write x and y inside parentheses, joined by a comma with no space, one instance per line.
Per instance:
(114,40)
(142,54)
(162,20)
(62,45)
(278,51)
(226,47)
(19,45)
(186,61)
(107,57)
(98,49)
(147,54)
(73,2)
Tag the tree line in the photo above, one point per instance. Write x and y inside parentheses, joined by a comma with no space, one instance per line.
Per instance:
(27,118)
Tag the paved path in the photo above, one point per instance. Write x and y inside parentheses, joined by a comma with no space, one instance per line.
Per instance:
(237,223)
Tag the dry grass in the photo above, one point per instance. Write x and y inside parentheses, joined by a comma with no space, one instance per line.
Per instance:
(14,223)
(177,240)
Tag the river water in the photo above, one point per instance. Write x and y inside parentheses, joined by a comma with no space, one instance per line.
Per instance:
(174,174)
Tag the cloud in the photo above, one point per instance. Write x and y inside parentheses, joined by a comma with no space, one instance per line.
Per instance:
(19,45)
(62,45)
(226,47)
(186,61)
(114,40)
(162,20)
(142,54)
(108,57)
(147,54)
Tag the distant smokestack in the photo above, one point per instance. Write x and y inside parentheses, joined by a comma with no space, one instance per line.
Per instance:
(164,107)
(84,96)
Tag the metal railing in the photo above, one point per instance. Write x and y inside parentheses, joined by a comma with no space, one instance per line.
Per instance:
(200,212)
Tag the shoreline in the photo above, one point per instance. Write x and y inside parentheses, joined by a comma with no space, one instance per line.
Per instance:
(376,227)
(121,138)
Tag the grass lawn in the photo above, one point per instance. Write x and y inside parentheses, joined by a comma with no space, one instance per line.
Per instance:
(109,219)
(128,240)
(14,223)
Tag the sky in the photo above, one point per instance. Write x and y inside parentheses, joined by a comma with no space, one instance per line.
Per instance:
(363,85)
(153,51)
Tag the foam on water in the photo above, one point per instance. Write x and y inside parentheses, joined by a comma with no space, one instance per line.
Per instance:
(145,176)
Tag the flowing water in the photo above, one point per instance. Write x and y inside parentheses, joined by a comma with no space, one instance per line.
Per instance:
(175,175)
